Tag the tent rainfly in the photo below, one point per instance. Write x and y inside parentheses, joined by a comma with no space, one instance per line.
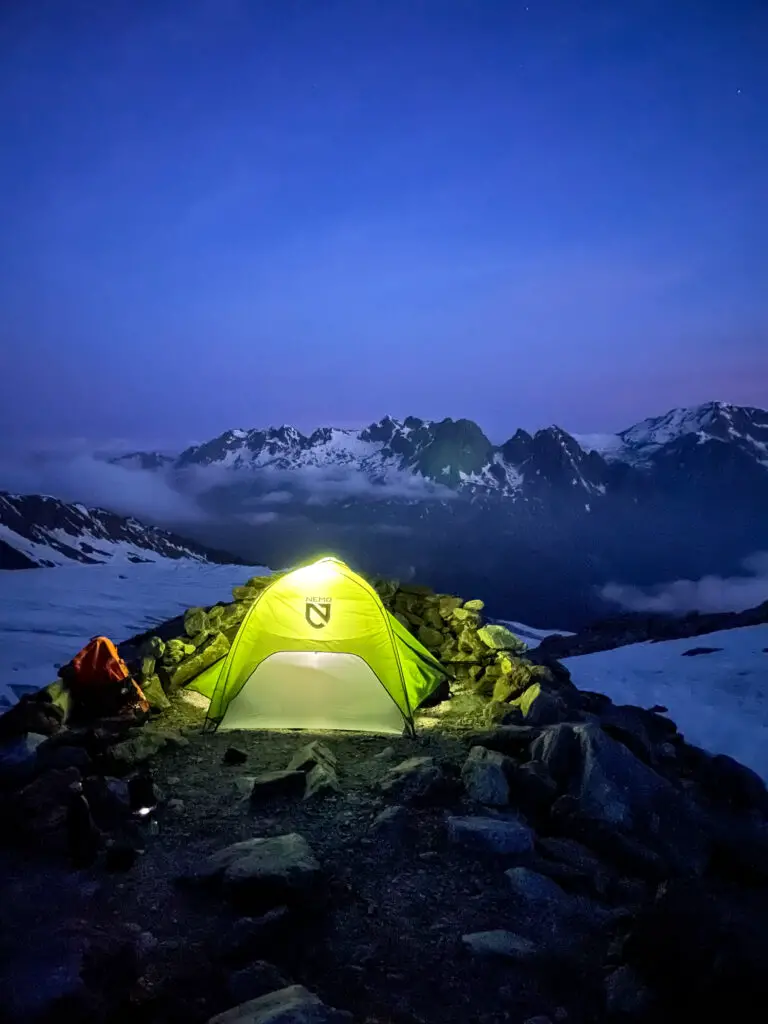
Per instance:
(318,650)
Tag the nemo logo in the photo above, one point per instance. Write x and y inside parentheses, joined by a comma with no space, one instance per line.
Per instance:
(317,611)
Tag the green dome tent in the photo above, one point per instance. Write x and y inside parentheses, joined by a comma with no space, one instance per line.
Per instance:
(318,650)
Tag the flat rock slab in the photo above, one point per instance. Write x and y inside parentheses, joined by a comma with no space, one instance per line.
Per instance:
(414,780)
(262,873)
(311,754)
(501,944)
(292,1005)
(491,835)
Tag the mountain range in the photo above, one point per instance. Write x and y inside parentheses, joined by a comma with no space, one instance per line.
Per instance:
(538,525)
(40,531)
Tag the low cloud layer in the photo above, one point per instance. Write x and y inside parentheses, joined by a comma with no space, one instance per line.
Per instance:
(709,594)
(98,484)
(153,496)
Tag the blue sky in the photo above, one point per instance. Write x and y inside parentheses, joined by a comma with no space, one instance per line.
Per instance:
(225,213)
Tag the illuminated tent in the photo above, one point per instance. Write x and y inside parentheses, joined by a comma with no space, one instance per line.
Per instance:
(318,650)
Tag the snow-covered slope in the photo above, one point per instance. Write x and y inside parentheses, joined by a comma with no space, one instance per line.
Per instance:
(48,615)
(719,700)
(742,427)
(37,530)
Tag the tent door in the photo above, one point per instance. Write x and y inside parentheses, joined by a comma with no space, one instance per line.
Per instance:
(314,690)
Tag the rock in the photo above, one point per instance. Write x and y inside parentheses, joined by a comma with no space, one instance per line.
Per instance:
(574,854)
(617,788)
(254,981)
(514,740)
(262,873)
(279,783)
(321,781)
(212,651)
(485,775)
(18,758)
(32,713)
(502,944)
(392,822)
(559,749)
(109,800)
(431,638)
(475,605)
(415,780)
(176,650)
(534,887)
(532,788)
(312,754)
(195,621)
(292,1005)
(234,755)
(387,754)
(142,746)
(499,638)
(152,689)
(733,784)
(40,808)
(491,835)
(249,936)
(539,706)
(63,756)
(625,995)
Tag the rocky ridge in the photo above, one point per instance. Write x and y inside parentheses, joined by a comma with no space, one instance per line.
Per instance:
(534,853)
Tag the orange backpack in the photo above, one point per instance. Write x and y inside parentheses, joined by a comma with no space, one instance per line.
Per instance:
(98,671)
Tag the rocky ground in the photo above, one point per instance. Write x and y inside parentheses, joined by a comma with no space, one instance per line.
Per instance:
(535,853)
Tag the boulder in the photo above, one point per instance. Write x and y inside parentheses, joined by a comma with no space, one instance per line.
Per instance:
(499,638)
(491,835)
(202,658)
(312,754)
(143,745)
(727,781)
(61,755)
(560,750)
(532,788)
(535,888)
(195,622)
(321,780)
(292,1005)
(485,775)
(539,706)
(263,872)
(36,713)
(153,690)
(176,650)
(431,638)
(514,740)
(415,780)
(234,755)
(616,788)
(501,944)
(279,783)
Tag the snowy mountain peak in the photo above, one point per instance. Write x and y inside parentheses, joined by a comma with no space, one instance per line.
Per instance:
(37,530)
(744,427)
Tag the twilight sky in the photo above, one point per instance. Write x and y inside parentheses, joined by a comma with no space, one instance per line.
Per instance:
(219,213)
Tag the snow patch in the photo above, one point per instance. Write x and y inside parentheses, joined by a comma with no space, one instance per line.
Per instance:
(719,701)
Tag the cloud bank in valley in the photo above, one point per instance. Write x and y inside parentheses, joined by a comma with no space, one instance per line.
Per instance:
(97,484)
(708,594)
